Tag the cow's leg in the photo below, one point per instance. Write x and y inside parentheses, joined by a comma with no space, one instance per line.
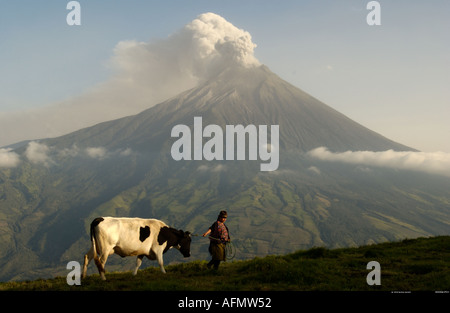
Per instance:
(138,263)
(87,259)
(101,261)
(159,258)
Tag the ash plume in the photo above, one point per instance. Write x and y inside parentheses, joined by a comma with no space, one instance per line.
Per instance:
(144,74)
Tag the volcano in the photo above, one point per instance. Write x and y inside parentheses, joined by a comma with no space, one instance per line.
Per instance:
(124,167)
(239,96)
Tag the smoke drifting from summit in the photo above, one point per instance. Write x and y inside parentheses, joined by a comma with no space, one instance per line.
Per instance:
(218,43)
(151,72)
(164,68)
(144,74)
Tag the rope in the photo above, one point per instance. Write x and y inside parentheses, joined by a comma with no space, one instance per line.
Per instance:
(230,249)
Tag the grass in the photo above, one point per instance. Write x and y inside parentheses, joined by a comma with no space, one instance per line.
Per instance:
(421,264)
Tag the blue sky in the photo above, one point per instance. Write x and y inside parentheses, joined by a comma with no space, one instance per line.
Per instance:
(391,78)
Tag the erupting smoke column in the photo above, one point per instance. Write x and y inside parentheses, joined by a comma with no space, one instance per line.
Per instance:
(144,74)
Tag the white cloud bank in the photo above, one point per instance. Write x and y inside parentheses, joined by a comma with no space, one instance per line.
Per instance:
(8,158)
(96,152)
(215,169)
(37,153)
(40,154)
(429,162)
(145,73)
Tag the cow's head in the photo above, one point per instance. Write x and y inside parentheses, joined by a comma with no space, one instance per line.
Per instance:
(178,239)
(184,243)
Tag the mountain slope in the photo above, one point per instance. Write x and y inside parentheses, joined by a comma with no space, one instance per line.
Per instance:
(125,168)
(240,96)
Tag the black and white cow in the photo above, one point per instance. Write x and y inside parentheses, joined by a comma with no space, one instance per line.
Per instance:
(133,236)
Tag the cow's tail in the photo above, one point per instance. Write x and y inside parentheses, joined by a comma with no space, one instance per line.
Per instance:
(97,261)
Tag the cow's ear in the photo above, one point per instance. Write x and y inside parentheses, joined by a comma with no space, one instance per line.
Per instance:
(187,234)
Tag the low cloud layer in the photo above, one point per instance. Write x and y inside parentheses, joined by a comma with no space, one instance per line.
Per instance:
(144,74)
(215,169)
(429,162)
(8,158)
(37,153)
(97,153)
(40,154)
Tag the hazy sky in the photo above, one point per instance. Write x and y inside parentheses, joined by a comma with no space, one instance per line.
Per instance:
(393,78)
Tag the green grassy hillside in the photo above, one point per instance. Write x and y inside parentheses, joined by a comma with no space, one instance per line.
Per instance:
(421,264)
